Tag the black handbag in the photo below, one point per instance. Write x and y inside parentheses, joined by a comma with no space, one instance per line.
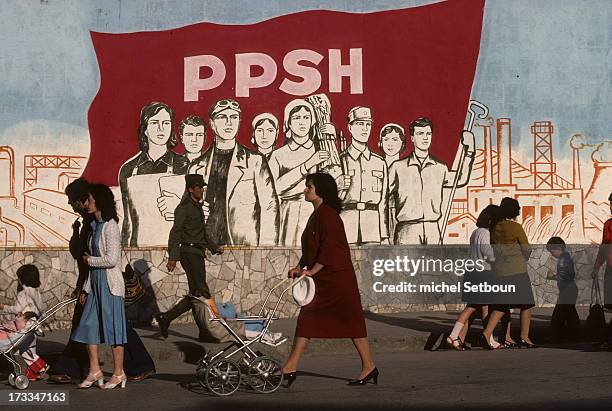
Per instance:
(596,321)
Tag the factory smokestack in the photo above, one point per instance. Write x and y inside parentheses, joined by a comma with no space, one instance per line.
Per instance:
(486,125)
(600,186)
(504,151)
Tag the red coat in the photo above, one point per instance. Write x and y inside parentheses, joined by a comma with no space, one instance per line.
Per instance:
(605,249)
(335,311)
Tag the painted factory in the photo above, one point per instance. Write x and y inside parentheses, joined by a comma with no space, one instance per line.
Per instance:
(550,204)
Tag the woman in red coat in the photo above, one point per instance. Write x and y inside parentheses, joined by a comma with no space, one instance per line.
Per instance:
(335,311)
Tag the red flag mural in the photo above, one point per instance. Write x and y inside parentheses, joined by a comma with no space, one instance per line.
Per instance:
(403,64)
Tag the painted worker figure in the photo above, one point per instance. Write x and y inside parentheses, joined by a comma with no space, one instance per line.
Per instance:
(363,185)
(240,193)
(187,243)
(193,135)
(416,186)
(392,142)
(265,133)
(156,138)
(291,163)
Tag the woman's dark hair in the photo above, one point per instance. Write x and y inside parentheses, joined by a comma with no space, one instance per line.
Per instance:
(326,188)
(146,113)
(389,129)
(509,208)
(496,217)
(29,276)
(259,123)
(555,243)
(487,217)
(295,110)
(77,190)
(105,201)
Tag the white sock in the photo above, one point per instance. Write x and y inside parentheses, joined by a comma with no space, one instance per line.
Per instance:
(492,342)
(456,330)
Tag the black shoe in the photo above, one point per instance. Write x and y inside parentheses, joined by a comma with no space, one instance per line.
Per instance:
(524,344)
(59,379)
(289,378)
(163,323)
(508,344)
(484,343)
(141,376)
(373,375)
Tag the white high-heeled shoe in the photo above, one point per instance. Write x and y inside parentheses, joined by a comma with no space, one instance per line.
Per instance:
(91,379)
(114,381)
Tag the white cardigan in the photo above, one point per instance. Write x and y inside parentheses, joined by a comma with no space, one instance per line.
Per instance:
(28,299)
(110,251)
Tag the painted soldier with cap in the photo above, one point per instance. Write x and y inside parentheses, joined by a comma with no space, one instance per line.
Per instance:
(240,193)
(363,184)
(187,243)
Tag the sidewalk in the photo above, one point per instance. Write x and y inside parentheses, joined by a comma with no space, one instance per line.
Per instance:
(399,332)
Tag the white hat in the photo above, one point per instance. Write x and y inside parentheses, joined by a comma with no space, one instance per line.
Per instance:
(304,291)
(266,116)
(293,104)
(392,125)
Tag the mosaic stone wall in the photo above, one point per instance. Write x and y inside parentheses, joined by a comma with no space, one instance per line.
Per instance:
(240,276)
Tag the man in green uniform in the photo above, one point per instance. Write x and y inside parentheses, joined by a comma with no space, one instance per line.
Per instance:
(187,243)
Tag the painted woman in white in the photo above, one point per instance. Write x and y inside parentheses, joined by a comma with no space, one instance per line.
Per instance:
(392,142)
(291,163)
(265,133)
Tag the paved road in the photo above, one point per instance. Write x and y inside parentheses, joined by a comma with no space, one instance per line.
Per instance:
(568,378)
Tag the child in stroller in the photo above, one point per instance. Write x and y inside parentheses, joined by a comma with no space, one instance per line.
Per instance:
(28,305)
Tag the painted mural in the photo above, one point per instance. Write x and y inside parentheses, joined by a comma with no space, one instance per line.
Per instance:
(416,153)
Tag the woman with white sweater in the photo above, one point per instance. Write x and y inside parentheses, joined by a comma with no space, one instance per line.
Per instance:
(480,249)
(103,319)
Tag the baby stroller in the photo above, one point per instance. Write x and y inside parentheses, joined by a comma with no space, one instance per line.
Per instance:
(17,378)
(222,375)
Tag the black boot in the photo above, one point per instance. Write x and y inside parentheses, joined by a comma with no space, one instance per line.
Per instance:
(164,324)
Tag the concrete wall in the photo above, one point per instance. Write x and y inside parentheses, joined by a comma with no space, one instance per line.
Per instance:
(244,276)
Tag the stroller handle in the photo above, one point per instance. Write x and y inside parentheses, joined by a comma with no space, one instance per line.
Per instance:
(278,285)
(37,322)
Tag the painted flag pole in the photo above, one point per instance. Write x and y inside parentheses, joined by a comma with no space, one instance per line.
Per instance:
(470,125)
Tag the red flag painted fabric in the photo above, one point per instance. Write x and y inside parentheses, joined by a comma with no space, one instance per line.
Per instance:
(403,64)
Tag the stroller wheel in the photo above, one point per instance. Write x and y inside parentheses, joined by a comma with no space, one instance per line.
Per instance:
(21,382)
(265,375)
(222,377)
(11,379)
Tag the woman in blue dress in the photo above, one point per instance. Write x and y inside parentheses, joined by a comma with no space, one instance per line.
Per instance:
(103,319)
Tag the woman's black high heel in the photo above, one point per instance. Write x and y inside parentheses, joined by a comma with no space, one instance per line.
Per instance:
(484,343)
(373,375)
(289,378)
(508,344)
(524,344)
